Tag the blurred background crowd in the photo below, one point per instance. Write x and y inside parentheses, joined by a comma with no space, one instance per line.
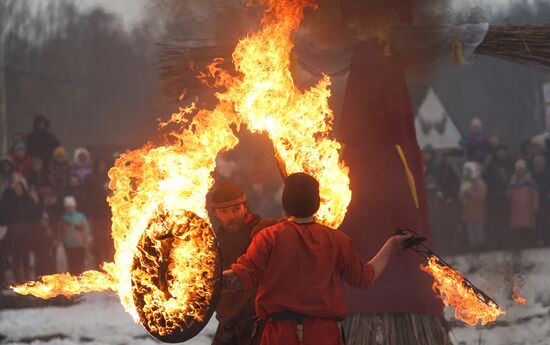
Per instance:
(489,196)
(52,204)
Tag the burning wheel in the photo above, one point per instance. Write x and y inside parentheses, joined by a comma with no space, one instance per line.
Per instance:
(176,276)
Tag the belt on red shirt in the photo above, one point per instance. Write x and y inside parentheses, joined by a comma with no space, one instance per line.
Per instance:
(291,315)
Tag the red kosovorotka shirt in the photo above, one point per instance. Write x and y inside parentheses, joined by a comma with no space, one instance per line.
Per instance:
(302,268)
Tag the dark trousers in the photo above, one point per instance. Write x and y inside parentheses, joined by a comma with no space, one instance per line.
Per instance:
(20,250)
(243,332)
(75,259)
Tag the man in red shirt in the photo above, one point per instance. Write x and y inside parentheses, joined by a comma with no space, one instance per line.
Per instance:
(300,268)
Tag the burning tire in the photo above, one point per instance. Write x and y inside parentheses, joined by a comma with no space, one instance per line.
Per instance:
(176,276)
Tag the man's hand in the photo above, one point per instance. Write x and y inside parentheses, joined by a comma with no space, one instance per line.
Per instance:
(230,281)
(399,242)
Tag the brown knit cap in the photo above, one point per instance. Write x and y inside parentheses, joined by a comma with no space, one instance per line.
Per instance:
(227,195)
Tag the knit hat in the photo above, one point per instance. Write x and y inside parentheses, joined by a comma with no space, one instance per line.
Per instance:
(227,195)
(301,195)
(520,165)
(59,152)
(69,201)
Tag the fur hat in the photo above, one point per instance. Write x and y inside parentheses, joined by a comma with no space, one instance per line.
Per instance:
(301,195)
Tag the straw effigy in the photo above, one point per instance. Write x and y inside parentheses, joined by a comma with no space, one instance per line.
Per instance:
(528,44)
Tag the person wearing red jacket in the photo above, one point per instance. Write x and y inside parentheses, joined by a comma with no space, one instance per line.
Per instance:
(300,267)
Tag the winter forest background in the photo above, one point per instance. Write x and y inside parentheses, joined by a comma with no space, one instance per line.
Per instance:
(90,73)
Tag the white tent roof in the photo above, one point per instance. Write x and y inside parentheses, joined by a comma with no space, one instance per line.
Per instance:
(433,124)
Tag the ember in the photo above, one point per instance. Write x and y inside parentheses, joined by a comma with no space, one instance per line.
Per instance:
(516,295)
(166,265)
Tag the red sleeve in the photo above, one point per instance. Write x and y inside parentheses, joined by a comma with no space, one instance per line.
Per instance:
(250,267)
(353,270)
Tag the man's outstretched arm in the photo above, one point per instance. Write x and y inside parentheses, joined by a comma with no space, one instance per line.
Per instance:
(394,245)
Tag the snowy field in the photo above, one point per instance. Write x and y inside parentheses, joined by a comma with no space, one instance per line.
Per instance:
(100,320)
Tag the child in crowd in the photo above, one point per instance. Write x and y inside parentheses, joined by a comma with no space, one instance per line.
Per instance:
(524,203)
(472,195)
(75,235)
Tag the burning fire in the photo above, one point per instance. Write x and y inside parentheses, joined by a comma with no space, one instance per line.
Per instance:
(164,268)
(453,290)
(515,294)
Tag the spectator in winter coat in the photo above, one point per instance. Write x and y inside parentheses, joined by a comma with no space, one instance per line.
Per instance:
(476,143)
(497,177)
(17,139)
(542,144)
(20,211)
(22,162)
(50,204)
(446,232)
(40,142)
(429,158)
(75,235)
(7,174)
(82,163)
(75,189)
(524,204)
(472,194)
(59,171)
(541,175)
(38,176)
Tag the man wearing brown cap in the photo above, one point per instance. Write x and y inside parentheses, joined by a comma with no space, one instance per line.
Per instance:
(235,312)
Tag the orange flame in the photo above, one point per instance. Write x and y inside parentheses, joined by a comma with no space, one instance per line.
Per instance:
(516,295)
(160,190)
(449,285)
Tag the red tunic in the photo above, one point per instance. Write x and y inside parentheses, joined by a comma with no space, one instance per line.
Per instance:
(302,268)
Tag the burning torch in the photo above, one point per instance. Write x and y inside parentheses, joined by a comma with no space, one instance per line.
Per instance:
(471,304)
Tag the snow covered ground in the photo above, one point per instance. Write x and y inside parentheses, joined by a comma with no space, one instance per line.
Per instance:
(527,324)
(100,320)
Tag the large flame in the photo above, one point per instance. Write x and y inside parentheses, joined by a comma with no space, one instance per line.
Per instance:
(162,189)
(451,287)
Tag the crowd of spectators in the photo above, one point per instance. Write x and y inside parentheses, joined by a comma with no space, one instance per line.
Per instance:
(485,196)
(481,197)
(50,206)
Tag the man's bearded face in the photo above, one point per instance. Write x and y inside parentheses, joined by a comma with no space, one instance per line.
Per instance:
(232,218)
